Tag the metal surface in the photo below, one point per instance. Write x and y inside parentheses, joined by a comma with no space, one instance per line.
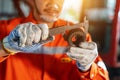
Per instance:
(75,32)
(62,29)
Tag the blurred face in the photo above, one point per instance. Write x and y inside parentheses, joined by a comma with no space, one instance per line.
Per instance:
(49,10)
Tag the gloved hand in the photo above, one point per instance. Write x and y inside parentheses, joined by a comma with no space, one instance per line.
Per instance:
(27,37)
(84,55)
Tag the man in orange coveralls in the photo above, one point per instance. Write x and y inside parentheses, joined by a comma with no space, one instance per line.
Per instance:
(28,52)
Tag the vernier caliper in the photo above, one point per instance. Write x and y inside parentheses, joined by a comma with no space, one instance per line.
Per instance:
(75,34)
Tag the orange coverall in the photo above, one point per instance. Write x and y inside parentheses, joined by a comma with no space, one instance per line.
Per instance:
(50,64)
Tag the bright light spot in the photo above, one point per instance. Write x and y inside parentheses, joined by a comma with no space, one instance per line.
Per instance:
(71,10)
(119,14)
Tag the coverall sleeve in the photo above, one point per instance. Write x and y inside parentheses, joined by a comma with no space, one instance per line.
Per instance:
(95,73)
(3,25)
(6,27)
(3,58)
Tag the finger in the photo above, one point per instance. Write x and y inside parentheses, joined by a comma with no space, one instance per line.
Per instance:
(30,35)
(76,50)
(45,31)
(37,32)
(22,35)
(88,45)
(24,24)
(73,55)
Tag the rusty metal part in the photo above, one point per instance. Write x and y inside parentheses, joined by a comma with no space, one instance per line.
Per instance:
(74,32)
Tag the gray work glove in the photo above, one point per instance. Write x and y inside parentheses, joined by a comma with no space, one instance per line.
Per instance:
(27,37)
(84,55)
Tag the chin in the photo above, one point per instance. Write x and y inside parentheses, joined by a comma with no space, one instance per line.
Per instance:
(48,18)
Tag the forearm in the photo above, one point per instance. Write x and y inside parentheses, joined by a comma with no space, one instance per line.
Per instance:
(2,51)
